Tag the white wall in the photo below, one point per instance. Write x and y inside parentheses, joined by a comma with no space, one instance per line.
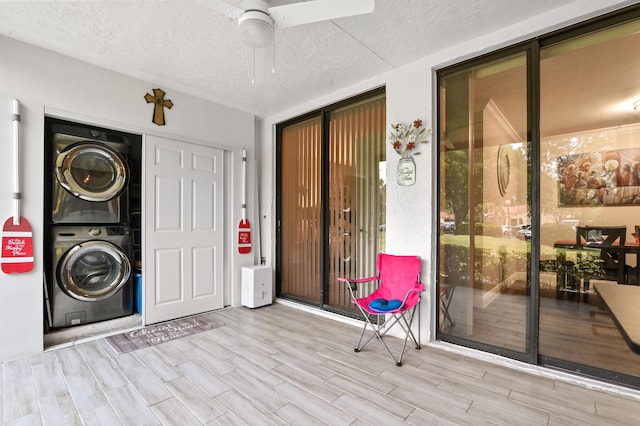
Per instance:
(52,84)
(412,210)
(46,82)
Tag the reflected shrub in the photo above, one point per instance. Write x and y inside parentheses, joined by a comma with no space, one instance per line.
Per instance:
(493,259)
(552,232)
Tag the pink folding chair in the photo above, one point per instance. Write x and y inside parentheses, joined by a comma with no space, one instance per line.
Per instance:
(395,299)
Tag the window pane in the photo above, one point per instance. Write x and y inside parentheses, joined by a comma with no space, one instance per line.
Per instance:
(485,216)
(357,205)
(590,160)
(332,201)
(301,210)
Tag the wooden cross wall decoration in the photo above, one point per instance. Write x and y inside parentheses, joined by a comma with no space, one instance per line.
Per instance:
(160,103)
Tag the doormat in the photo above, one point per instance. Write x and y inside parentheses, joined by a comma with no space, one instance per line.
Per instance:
(160,333)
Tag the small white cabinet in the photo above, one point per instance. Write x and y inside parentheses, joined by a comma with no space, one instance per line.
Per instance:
(256,286)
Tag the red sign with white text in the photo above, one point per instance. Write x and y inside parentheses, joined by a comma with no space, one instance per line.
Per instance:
(244,237)
(17,247)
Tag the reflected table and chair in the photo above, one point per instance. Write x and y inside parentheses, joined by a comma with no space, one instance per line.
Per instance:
(609,247)
(610,241)
(604,249)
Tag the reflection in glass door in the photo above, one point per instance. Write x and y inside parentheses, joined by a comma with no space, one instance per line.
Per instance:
(538,248)
(590,157)
(484,168)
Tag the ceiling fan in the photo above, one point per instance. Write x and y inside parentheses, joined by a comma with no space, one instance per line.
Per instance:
(257,21)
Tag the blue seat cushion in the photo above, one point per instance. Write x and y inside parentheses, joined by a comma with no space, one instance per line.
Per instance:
(384,305)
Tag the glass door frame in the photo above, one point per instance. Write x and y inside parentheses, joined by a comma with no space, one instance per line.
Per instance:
(324,114)
(532,48)
(529,50)
(619,17)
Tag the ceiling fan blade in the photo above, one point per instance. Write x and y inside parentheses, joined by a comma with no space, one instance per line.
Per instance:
(254,4)
(226,8)
(307,12)
(256,58)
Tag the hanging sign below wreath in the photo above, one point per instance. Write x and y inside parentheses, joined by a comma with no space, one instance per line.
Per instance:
(404,139)
(406,172)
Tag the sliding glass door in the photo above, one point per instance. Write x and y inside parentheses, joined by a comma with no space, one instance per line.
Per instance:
(484,167)
(539,172)
(300,218)
(356,195)
(590,145)
(331,202)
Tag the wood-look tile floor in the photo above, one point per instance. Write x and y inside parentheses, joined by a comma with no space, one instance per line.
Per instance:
(279,365)
(570,330)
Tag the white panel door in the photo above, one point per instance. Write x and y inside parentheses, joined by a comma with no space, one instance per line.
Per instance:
(183,229)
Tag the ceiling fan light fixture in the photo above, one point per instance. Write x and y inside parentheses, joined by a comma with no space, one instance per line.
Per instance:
(256,28)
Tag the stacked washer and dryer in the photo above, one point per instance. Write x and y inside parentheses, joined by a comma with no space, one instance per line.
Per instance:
(88,203)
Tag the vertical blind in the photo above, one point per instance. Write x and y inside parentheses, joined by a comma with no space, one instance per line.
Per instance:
(354,210)
(356,149)
(301,210)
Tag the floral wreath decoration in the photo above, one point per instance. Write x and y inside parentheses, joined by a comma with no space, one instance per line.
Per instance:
(405,137)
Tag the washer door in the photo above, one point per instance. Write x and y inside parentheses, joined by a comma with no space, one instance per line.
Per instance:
(93,270)
(91,171)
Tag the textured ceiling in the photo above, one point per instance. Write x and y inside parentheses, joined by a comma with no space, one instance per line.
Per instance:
(185,45)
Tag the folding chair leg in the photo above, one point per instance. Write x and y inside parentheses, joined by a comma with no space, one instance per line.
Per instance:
(408,333)
(379,336)
(375,328)
(445,302)
(380,331)
(447,317)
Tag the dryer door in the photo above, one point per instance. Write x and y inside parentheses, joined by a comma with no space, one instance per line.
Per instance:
(91,171)
(93,270)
